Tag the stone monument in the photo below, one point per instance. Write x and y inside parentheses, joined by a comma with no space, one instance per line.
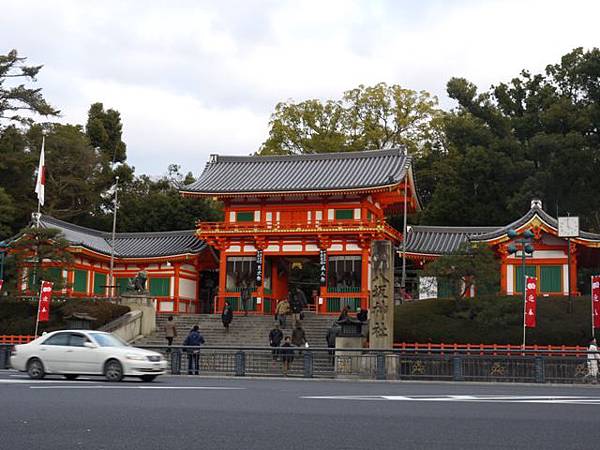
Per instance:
(381,316)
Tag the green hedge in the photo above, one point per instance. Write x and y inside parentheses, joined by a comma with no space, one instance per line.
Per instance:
(493,320)
(17,316)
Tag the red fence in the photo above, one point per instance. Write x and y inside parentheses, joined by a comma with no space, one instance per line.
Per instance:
(15,339)
(494,349)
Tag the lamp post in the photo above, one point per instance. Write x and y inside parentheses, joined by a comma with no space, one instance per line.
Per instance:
(523,242)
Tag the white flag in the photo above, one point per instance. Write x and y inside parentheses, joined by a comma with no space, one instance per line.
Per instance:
(41,176)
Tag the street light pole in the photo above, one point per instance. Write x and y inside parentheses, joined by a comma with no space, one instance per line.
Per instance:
(111,283)
(525,241)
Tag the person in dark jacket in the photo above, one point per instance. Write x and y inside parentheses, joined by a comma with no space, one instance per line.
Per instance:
(296,306)
(287,355)
(330,338)
(362,315)
(193,339)
(227,316)
(299,336)
(245,297)
(275,338)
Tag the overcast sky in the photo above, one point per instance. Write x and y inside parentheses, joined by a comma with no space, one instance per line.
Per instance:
(192,78)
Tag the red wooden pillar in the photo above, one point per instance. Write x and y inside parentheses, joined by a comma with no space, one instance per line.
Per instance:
(177,267)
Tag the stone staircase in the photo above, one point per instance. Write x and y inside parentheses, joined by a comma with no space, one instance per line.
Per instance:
(252,330)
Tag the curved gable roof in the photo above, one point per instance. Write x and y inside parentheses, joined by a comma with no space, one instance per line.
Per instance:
(316,172)
(128,245)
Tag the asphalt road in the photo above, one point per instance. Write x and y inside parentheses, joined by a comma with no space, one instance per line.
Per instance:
(211,413)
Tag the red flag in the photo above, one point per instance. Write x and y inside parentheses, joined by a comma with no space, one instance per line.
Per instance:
(530,301)
(44,306)
(1,283)
(596,300)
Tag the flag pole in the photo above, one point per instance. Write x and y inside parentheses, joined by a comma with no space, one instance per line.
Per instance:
(592,305)
(37,316)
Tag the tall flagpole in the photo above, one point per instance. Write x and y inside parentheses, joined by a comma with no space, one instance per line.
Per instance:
(112,244)
(40,190)
(403,280)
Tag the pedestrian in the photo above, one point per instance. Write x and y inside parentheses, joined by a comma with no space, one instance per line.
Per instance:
(245,296)
(344,314)
(330,338)
(296,306)
(193,340)
(275,338)
(302,300)
(227,316)
(299,336)
(362,314)
(593,357)
(282,311)
(170,332)
(287,355)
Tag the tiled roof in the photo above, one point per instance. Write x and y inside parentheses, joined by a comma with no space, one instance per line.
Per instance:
(128,245)
(443,240)
(440,240)
(301,173)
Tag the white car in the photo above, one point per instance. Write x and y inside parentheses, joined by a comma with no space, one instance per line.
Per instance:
(84,352)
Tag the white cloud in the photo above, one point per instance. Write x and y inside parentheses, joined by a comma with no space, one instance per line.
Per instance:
(192,78)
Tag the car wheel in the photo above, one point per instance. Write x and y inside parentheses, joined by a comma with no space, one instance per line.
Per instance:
(71,376)
(148,378)
(113,370)
(35,369)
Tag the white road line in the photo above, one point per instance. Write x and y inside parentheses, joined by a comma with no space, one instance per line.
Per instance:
(213,388)
(28,381)
(570,400)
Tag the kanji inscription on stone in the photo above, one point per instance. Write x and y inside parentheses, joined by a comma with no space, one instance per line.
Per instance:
(381,319)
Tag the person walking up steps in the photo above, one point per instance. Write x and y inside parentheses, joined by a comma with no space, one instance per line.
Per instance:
(282,311)
(227,316)
(170,331)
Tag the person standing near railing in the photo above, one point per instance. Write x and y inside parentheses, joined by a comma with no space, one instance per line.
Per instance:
(275,338)
(593,357)
(193,340)
(287,355)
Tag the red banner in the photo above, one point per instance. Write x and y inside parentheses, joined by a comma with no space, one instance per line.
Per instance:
(530,301)
(596,300)
(44,306)
(1,283)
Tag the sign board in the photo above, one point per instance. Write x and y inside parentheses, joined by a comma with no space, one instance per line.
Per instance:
(530,301)
(596,300)
(428,287)
(568,226)
(44,306)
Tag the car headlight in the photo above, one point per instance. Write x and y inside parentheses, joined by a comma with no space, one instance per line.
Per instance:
(135,357)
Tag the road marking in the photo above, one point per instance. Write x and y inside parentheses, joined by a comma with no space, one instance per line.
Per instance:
(214,388)
(554,399)
(28,381)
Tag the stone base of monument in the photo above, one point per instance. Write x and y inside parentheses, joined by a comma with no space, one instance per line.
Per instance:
(350,363)
(145,304)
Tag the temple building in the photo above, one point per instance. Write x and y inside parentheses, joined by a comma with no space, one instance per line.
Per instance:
(180,267)
(549,261)
(307,222)
(302,221)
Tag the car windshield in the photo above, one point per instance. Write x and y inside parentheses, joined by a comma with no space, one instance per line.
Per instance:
(108,340)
